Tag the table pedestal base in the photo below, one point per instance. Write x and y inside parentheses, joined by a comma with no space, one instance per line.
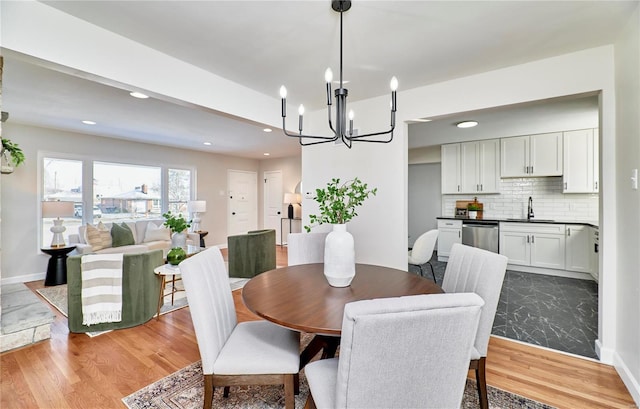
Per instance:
(328,345)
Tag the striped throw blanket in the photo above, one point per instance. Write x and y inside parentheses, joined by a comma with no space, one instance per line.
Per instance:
(101,288)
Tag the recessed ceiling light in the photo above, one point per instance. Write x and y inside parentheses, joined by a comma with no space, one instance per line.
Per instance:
(140,95)
(208,143)
(267,129)
(467,124)
(88,122)
(266,154)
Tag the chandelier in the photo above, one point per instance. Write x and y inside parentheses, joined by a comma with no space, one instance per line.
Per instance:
(340,129)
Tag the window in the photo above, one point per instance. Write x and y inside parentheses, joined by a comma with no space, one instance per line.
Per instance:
(124,192)
(179,189)
(62,180)
(118,192)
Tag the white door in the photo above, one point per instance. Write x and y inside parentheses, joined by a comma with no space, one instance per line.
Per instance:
(242,202)
(273,202)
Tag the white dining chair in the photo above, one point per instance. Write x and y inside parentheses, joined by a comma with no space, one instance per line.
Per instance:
(246,353)
(422,251)
(471,269)
(305,248)
(403,352)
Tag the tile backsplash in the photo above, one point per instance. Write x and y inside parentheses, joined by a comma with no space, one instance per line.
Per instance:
(548,201)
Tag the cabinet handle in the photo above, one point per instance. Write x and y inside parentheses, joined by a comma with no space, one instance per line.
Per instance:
(568,231)
(596,185)
(565,185)
(477,188)
(526,169)
(528,239)
(458,188)
(459,234)
(532,170)
(533,239)
(481,187)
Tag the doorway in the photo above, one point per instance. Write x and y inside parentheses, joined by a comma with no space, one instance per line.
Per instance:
(242,202)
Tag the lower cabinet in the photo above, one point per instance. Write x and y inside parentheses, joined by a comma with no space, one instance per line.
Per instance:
(540,245)
(578,254)
(449,232)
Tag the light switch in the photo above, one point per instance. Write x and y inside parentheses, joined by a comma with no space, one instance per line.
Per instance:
(309,195)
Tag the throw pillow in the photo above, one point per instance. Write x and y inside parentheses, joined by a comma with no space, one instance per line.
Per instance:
(121,235)
(98,237)
(155,233)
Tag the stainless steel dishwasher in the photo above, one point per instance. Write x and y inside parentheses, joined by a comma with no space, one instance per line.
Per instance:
(481,234)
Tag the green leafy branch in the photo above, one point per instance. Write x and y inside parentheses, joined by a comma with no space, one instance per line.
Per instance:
(338,202)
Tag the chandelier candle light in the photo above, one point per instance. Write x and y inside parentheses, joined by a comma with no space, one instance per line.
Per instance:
(340,130)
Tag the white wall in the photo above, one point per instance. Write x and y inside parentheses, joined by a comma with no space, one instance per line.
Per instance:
(22,260)
(627,61)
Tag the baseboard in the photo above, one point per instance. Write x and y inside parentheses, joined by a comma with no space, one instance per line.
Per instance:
(24,278)
(550,272)
(629,381)
(606,354)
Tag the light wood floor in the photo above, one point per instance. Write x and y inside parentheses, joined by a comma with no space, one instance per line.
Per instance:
(76,371)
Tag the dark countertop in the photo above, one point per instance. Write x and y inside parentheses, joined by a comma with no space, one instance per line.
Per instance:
(513,220)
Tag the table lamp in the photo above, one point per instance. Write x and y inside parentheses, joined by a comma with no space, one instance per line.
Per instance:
(195,207)
(56,210)
(290,198)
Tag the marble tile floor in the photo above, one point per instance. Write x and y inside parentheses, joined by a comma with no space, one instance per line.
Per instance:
(24,319)
(554,312)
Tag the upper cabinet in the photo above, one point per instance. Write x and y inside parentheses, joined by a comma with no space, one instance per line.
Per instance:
(471,167)
(532,155)
(581,163)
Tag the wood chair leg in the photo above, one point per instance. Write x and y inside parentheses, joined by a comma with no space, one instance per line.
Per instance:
(310,404)
(289,400)
(208,392)
(481,381)
(225,393)
(296,384)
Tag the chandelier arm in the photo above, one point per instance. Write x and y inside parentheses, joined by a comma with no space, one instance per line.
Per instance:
(390,131)
(316,142)
(330,122)
(373,140)
(300,135)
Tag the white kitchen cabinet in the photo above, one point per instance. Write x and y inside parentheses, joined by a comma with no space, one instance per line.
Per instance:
(450,232)
(535,245)
(471,167)
(480,166)
(581,161)
(532,155)
(450,168)
(578,251)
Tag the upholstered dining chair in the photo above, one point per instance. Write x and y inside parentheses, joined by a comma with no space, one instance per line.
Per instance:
(305,248)
(422,251)
(470,269)
(403,352)
(247,353)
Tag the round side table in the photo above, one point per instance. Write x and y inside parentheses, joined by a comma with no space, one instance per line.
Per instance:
(57,268)
(163,271)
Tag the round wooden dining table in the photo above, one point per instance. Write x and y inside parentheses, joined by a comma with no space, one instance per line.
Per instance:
(299,297)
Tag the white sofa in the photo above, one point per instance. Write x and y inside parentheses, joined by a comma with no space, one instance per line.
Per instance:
(139,229)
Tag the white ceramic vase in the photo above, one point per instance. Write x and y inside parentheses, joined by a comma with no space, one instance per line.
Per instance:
(179,240)
(339,257)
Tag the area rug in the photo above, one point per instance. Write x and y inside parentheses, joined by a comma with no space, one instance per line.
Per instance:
(184,390)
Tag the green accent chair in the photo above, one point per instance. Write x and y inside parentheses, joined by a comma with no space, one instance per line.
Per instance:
(140,291)
(252,253)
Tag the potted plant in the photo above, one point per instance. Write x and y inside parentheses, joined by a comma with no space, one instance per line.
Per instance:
(178,225)
(15,153)
(473,208)
(338,204)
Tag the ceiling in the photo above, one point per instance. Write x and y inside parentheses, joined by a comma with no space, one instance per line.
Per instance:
(264,44)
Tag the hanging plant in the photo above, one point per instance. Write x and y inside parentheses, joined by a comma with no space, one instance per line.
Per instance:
(15,157)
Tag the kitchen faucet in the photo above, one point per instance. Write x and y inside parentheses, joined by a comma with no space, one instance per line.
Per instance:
(530,209)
